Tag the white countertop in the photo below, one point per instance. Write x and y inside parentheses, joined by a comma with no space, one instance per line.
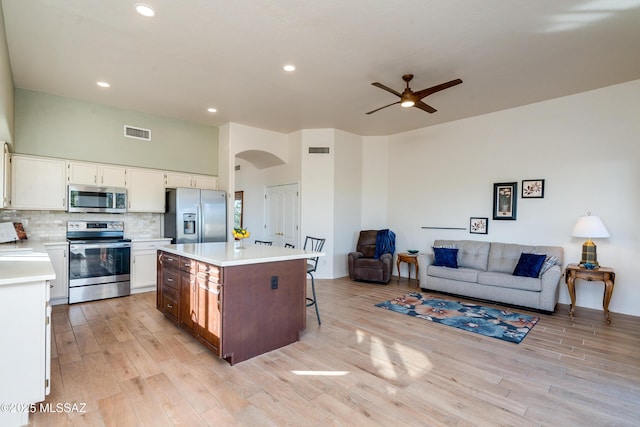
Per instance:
(22,265)
(225,254)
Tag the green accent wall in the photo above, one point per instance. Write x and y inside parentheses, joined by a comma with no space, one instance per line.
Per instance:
(53,126)
(6,87)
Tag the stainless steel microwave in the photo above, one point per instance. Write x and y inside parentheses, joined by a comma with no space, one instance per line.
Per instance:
(88,198)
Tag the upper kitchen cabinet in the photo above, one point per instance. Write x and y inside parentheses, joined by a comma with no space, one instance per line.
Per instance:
(145,190)
(178,180)
(188,180)
(38,183)
(96,174)
(206,182)
(5,172)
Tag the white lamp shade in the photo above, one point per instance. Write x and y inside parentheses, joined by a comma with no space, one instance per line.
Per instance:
(591,227)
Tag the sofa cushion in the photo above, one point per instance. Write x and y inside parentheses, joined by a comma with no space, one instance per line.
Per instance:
(529,265)
(471,253)
(503,257)
(445,257)
(460,274)
(549,262)
(504,280)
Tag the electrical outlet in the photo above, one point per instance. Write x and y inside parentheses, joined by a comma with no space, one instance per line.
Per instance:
(274,282)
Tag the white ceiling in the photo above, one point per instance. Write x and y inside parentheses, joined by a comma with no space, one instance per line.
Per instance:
(229,55)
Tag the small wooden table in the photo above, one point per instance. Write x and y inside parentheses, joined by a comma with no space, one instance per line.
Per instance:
(409,259)
(603,274)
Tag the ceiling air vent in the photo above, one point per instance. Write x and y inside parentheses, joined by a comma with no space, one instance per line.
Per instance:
(137,133)
(318,150)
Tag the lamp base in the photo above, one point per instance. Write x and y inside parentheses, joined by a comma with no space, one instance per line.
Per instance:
(589,256)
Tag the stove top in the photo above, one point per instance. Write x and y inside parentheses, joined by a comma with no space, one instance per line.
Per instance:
(96,230)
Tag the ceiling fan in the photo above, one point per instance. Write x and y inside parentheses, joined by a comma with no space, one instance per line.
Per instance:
(409,98)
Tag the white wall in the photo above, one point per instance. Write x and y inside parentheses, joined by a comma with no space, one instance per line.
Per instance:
(236,138)
(375,178)
(317,193)
(347,199)
(585,146)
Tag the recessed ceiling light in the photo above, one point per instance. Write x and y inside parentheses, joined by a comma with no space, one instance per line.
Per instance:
(103,84)
(212,110)
(289,67)
(145,10)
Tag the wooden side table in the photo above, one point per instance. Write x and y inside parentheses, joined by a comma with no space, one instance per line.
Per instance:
(409,259)
(603,274)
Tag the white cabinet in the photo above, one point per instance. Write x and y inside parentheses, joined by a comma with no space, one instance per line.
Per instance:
(188,180)
(178,180)
(25,359)
(112,175)
(145,190)
(38,183)
(206,182)
(5,173)
(58,254)
(96,174)
(143,264)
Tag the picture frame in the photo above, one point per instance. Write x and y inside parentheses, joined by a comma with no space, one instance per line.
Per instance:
(478,225)
(505,198)
(533,188)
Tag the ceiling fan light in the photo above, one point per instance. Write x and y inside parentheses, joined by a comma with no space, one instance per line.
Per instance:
(407,103)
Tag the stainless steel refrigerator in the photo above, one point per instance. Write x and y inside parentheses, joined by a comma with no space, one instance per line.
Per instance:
(195,216)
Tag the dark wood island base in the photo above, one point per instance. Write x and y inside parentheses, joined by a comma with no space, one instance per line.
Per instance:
(238,311)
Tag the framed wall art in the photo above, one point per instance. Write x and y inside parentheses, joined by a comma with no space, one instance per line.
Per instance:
(478,225)
(505,197)
(532,188)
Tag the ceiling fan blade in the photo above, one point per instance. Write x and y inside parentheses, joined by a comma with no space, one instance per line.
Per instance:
(424,107)
(378,109)
(388,89)
(426,92)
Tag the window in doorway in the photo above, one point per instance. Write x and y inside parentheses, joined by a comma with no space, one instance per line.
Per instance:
(238,209)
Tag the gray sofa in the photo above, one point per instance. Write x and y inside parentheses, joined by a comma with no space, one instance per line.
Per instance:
(485,271)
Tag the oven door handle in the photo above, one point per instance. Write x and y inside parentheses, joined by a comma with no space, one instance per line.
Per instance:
(101,246)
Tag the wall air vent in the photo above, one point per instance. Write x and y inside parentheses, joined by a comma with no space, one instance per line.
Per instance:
(137,133)
(318,150)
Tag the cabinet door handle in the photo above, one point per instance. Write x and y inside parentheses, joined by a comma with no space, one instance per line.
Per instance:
(169,279)
(169,306)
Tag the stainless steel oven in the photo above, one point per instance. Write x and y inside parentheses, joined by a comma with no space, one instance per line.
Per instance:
(99,260)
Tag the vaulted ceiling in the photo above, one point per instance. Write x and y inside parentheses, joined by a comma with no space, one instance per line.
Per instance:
(197,54)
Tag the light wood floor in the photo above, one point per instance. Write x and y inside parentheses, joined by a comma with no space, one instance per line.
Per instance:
(364,366)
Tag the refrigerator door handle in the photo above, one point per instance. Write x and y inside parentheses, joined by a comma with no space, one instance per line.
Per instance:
(199,223)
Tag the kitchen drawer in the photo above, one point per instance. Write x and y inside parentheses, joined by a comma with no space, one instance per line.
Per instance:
(170,260)
(210,272)
(170,303)
(188,265)
(170,278)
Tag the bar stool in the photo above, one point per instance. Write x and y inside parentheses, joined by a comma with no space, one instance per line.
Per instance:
(314,244)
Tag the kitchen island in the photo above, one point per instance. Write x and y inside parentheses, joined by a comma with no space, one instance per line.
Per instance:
(25,331)
(239,303)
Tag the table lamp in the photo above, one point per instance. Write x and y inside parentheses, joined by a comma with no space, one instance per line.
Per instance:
(589,226)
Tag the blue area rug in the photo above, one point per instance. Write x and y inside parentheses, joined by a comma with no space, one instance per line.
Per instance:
(491,322)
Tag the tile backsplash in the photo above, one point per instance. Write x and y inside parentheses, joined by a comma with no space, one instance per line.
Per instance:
(52,225)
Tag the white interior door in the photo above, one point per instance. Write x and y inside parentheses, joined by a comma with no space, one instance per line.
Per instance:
(282,206)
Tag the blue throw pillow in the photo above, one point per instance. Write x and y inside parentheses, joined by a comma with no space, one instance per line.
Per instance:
(529,265)
(445,257)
